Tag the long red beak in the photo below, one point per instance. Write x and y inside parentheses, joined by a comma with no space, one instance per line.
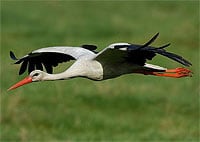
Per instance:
(20,83)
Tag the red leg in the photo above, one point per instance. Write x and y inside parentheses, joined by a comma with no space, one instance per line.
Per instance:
(175,73)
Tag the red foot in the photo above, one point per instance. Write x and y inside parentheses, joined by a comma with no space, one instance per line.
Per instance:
(175,73)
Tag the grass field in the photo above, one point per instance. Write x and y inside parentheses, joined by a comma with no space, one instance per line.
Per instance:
(129,108)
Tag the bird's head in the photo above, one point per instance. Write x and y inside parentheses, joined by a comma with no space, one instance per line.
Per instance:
(34,76)
(37,75)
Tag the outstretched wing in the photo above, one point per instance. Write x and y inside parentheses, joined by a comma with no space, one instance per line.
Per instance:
(136,54)
(49,57)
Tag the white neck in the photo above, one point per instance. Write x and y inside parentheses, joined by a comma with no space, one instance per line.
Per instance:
(60,76)
(89,69)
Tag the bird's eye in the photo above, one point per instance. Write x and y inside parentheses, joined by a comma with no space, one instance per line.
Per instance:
(36,74)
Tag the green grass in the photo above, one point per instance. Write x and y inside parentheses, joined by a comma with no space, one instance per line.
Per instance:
(129,108)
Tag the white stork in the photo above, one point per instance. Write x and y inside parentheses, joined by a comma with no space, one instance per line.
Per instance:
(113,61)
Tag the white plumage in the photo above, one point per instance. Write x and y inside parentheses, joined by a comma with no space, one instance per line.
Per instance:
(115,60)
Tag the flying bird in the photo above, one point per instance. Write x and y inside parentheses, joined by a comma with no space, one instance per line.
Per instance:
(115,60)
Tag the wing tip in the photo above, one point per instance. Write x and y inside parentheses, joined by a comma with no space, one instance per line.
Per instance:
(187,63)
(151,40)
(12,55)
(164,46)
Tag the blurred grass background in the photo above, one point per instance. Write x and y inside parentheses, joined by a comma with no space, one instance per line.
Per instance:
(129,108)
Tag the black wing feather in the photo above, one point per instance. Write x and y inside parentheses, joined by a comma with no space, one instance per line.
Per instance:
(12,56)
(138,54)
(48,68)
(31,66)
(23,67)
(142,54)
(35,60)
(90,47)
(39,66)
(150,41)
(174,57)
